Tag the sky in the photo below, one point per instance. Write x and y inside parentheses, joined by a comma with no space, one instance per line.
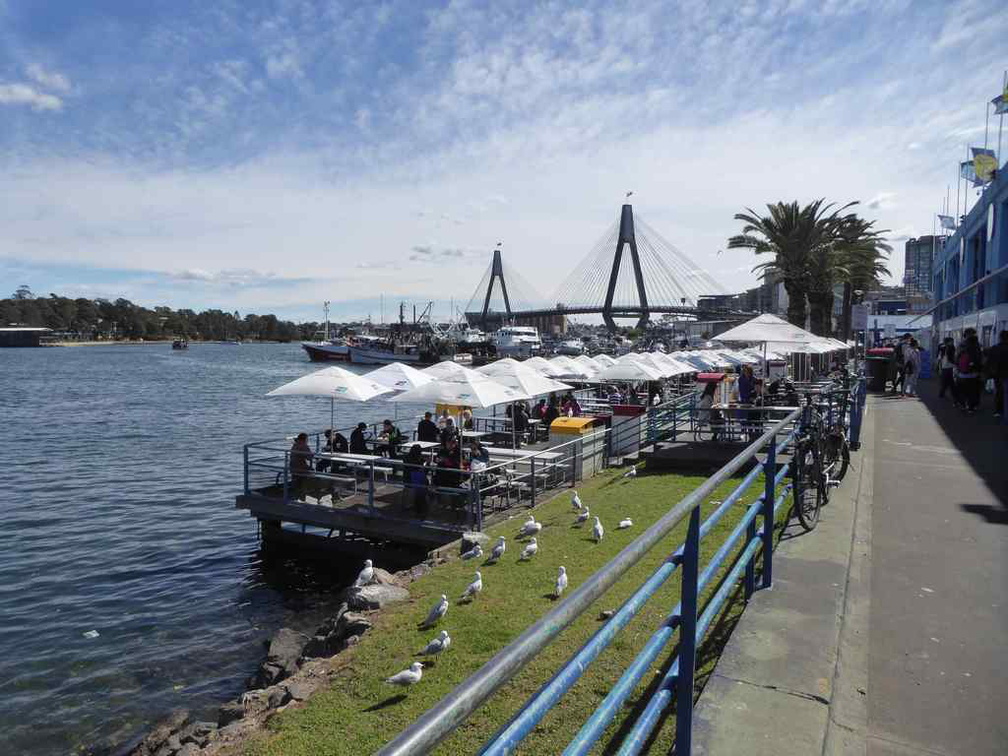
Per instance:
(266,156)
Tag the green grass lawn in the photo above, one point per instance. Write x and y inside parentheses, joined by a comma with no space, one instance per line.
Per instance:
(359,713)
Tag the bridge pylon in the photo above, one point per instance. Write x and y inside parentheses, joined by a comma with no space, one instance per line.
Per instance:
(626,241)
(496,274)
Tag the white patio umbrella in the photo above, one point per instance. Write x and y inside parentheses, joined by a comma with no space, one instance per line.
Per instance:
(476,390)
(589,363)
(399,377)
(630,370)
(336,383)
(675,366)
(768,328)
(449,370)
(569,368)
(604,360)
(521,377)
(544,366)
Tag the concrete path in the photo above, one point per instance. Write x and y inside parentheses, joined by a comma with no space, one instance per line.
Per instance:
(886,629)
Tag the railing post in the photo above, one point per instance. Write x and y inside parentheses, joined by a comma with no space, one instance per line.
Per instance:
(532,476)
(286,486)
(687,636)
(477,503)
(769,496)
(370,494)
(245,456)
(750,568)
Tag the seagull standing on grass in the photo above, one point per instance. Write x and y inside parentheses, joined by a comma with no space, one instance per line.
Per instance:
(576,501)
(561,582)
(583,517)
(437,612)
(498,550)
(473,588)
(631,473)
(474,553)
(530,549)
(407,677)
(366,575)
(625,523)
(598,531)
(531,527)
(437,645)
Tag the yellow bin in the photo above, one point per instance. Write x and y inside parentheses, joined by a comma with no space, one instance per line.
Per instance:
(587,456)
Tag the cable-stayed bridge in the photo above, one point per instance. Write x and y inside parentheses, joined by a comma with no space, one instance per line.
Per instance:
(631,272)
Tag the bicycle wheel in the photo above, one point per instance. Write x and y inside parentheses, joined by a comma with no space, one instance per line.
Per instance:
(810,493)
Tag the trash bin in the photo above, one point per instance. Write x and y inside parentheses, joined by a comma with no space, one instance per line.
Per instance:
(588,453)
(878,372)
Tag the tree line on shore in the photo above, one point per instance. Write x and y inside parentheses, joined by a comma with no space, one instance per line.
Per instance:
(101,319)
(815,247)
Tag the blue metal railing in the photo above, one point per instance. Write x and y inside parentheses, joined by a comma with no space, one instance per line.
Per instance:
(441,720)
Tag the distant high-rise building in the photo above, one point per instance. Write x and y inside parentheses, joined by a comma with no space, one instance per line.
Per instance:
(920,253)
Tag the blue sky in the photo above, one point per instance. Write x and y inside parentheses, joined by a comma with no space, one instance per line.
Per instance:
(269,155)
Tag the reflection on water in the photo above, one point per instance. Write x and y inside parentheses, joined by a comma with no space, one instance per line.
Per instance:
(120,466)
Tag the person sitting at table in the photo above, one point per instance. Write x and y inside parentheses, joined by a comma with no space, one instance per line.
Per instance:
(552,412)
(323,465)
(415,480)
(449,431)
(449,464)
(478,453)
(444,419)
(358,440)
(339,444)
(539,412)
(467,420)
(746,384)
(427,429)
(393,438)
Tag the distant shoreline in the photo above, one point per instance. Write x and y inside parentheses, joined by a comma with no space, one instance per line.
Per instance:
(151,342)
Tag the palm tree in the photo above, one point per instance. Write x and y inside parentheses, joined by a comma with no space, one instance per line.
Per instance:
(792,234)
(862,250)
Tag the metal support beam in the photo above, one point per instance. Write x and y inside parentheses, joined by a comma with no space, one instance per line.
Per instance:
(496,272)
(626,238)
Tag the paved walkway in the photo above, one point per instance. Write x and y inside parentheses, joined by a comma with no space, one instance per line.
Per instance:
(886,628)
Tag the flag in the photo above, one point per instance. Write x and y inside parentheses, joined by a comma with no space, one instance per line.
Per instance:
(968,172)
(1000,102)
(984,164)
(947,221)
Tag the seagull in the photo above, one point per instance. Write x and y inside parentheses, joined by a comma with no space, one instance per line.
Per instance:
(474,553)
(583,517)
(407,677)
(366,575)
(498,550)
(629,194)
(531,527)
(473,588)
(625,523)
(437,645)
(631,473)
(436,612)
(561,582)
(530,549)
(576,501)
(598,530)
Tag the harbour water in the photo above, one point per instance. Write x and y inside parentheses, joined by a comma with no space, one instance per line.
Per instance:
(118,471)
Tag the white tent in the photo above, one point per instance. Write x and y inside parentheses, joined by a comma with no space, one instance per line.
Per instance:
(672,365)
(335,383)
(399,377)
(604,360)
(521,377)
(630,370)
(569,368)
(544,366)
(476,390)
(588,363)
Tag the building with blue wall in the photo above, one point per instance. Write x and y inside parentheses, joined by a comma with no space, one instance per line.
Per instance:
(970,274)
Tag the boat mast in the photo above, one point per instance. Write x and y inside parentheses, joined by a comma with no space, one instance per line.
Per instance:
(325,306)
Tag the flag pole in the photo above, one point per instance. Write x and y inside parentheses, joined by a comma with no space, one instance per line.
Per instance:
(1004,88)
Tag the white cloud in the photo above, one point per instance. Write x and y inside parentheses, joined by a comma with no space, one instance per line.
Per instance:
(51,80)
(25,94)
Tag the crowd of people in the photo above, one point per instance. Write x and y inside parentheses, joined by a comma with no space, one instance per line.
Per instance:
(965,370)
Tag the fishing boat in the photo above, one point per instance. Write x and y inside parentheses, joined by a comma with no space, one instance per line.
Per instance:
(571,347)
(181,343)
(517,341)
(324,348)
(416,343)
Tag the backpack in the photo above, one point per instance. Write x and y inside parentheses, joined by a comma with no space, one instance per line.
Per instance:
(965,363)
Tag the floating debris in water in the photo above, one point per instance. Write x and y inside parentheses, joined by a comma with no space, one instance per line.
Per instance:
(91,634)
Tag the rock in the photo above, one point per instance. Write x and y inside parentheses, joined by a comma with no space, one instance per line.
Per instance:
(320,646)
(299,690)
(278,697)
(417,571)
(162,731)
(353,640)
(282,659)
(352,623)
(376,596)
(469,541)
(330,624)
(190,749)
(384,577)
(197,732)
(230,712)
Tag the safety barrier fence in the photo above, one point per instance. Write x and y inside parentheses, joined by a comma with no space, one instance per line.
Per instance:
(751,539)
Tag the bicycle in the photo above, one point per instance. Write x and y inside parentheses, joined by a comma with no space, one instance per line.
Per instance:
(836,447)
(810,479)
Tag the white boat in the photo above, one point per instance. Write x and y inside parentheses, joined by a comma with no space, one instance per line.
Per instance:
(571,347)
(327,351)
(517,341)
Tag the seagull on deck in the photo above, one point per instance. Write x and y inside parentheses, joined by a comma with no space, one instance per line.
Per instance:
(625,523)
(583,517)
(576,501)
(437,612)
(598,531)
(473,588)
(530,549)
(561,582)
(407,677)
(437,645)
(474,553)
(498,550)
(366,575)
(531,527)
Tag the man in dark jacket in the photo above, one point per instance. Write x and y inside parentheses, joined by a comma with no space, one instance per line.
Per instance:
(427,429)
(997,368)
(358,443)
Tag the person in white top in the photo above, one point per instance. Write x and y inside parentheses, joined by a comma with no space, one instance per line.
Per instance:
(911,362)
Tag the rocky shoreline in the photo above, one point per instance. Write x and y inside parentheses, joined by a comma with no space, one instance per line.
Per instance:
(296,665)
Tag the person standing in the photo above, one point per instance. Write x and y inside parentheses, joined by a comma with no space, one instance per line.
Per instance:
(946,368)
(997,368)
(427,429)
(900,364)
(970,362)
(911,367)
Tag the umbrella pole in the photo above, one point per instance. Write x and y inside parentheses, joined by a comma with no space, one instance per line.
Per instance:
(332,412)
